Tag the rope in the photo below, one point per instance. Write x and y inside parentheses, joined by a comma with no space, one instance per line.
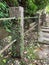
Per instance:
(10,18)
(7,18)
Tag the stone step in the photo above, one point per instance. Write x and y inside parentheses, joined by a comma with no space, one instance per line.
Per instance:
(43,39)
(43,36)
(45,30)
(43,27)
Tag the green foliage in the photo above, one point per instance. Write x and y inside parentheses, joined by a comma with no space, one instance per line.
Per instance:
(15,3)
(4,13)
(47,9)
(3,10)
(7,25)
(2,60)
(41,3)
(11,2)
(32,6)
(30,52)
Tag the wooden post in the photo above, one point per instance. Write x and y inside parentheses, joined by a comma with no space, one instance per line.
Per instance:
(38,26)
(37,22)
(18,31)
(43,19)
(22,30)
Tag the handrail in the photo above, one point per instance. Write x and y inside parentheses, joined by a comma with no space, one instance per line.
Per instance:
(7,18)
(30,17)
(10,18)
(6,47)
(30,29)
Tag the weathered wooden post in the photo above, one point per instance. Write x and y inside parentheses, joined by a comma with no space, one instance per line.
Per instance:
(38,25)
(37,22)
(43,19)
(17,31)
(47,19)
(22,30)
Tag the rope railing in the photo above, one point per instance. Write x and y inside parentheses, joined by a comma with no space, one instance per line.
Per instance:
(10,18)
(6,47)
(30,17)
